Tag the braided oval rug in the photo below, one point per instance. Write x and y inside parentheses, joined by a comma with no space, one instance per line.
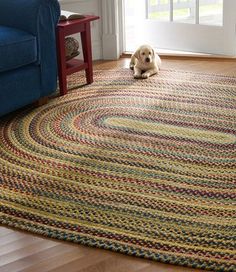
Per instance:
(142,167)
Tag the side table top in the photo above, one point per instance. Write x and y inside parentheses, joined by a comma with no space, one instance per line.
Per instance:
(86,19)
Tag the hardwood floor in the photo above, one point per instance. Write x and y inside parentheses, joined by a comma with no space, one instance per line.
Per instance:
(217,66)
(25,252)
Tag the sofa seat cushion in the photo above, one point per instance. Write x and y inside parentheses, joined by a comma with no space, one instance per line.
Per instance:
(17,48)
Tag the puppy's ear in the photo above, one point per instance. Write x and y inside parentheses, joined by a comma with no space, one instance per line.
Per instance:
(137,54)
(153,53)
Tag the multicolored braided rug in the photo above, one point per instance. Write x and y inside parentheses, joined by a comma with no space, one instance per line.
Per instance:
(142,167)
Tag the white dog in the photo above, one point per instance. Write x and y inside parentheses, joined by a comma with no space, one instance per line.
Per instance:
(145,62)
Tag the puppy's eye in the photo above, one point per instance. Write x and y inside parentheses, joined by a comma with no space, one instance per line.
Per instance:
(150,53)
(143,53)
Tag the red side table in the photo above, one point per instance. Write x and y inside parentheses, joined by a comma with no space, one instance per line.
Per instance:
(66,28)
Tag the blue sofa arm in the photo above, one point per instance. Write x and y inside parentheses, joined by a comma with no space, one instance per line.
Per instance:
(38,17)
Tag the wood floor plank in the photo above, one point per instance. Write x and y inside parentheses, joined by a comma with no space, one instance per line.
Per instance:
(34,260)
(11,237)
(4,231)
(56,259)
(25,251)
(18,244)
(117,263)
(89,259)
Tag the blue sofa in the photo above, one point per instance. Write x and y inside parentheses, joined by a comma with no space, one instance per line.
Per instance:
(28,64)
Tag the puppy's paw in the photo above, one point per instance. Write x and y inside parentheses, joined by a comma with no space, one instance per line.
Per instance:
(137,76)
(145,75)
(131,66)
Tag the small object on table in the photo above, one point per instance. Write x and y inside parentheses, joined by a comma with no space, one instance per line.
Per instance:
(71,47)
(67,15)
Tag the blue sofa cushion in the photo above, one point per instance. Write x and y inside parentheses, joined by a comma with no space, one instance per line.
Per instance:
(17,48)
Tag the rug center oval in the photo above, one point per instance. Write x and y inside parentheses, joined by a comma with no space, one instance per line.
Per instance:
(151,127)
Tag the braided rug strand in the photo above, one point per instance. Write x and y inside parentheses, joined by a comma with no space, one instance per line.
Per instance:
(142,167)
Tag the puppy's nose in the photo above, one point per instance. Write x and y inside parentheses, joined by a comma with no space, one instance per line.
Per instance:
(147,59)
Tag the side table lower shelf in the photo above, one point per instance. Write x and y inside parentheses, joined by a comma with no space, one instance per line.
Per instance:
(75,65)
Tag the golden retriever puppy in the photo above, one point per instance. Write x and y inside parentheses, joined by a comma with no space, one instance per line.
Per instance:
(145,62)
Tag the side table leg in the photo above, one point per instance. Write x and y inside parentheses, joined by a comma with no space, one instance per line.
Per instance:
(61,61)
(87,52)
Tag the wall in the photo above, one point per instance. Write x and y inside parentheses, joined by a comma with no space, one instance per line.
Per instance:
(90,7)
